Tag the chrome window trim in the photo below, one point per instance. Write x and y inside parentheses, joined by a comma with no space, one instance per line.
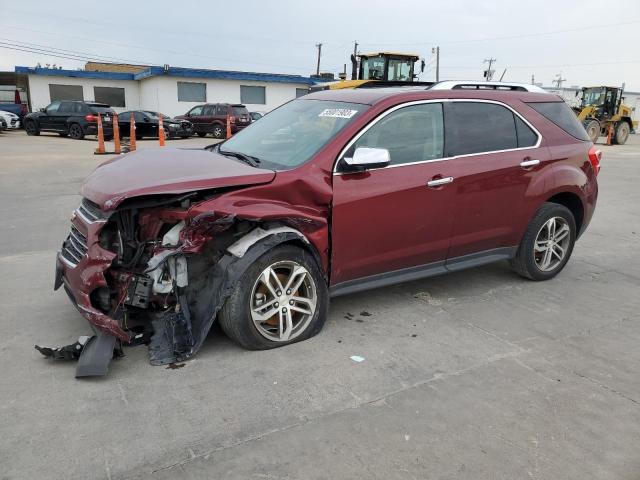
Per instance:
(440,100)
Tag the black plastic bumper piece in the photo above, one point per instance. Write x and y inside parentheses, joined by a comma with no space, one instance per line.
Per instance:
(96,356)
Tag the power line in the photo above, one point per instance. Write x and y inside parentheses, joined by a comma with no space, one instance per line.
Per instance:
(510,37)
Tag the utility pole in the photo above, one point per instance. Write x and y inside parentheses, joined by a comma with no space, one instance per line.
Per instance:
(436,50)
(559,81)
(488,73)
(533,79)
(354,61)
(319,47)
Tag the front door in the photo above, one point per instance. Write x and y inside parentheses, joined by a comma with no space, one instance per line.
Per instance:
(398,217)
(47,118)
(495,157)
(196,118)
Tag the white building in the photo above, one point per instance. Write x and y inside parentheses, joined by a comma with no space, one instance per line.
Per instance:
(169,90)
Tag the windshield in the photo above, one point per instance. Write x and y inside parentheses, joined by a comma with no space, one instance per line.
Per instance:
(290,135)
(592,96)
(372,68)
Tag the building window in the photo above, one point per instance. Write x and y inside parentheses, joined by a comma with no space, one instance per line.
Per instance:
(192,92)
(253,95)
(65,92)
(109,95)
(300,92)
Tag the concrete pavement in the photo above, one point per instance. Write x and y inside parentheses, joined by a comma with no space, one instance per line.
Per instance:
(478,374)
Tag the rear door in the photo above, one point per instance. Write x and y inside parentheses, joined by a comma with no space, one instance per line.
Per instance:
(59,119)
(389,219)
(496,157)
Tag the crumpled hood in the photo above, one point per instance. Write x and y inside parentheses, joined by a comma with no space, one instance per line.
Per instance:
(166,171)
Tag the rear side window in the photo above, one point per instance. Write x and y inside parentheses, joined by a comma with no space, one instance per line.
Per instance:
(411,134)
(238,111)
(480,127)
(526,136)
(560,114)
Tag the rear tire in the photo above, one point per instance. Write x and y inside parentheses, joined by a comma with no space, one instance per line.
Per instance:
(76,132)
(238,316)
(593,129)
(31,128)
(622,133)
(539,244)
(218,131)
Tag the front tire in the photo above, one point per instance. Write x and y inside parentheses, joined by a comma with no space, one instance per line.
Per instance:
(31,128)
(282,298)
(593,129)
(547,244)
(201,134)
(622,133)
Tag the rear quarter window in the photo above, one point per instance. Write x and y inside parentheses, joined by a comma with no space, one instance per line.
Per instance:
(561,114)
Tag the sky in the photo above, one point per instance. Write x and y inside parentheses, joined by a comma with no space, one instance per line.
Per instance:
(587,42)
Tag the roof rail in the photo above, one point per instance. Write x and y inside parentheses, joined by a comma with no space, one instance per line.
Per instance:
(481,85)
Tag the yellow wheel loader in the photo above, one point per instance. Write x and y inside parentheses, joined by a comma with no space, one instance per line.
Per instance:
(600,109)
(379,69)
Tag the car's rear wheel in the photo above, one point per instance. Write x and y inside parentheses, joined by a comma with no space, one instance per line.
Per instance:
(201,134)
(547,244)
(31,128)
(76,132)
(281,299)
(218,131)
(622,133)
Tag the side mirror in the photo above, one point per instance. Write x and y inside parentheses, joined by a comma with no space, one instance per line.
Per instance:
(577,92)
(146,119)
(43,110)
(422,65)
(366,157)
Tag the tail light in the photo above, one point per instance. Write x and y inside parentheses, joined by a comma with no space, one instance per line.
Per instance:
(232,119)
(91,118)
(595,156)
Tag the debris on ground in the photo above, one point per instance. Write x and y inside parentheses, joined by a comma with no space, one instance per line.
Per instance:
(357,358)
(428,298)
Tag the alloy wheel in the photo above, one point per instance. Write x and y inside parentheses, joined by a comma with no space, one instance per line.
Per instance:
(552,244)
(283,301)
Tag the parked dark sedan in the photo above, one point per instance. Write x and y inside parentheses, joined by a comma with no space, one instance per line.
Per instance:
(74,118)
(147,125)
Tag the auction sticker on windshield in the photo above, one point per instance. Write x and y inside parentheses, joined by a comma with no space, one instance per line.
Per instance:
(337,113)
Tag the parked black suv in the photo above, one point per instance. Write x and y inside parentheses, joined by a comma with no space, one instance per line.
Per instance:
(74,118)
(147,125)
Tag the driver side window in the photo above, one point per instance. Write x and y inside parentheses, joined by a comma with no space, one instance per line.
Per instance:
(53,107)
(410,134)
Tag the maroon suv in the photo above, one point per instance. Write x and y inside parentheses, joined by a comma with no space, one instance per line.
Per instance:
(212,118)
(332,193)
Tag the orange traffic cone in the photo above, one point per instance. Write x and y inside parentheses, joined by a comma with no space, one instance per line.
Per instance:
(132,134)
(160,130)
(228,126)
(116,134)
(100,150)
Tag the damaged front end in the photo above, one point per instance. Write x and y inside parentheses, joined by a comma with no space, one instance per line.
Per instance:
(156,268)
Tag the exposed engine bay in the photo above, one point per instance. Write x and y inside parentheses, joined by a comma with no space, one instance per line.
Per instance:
(166,273)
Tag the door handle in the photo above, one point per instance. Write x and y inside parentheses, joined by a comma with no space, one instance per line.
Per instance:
(439,181)
(529,163)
